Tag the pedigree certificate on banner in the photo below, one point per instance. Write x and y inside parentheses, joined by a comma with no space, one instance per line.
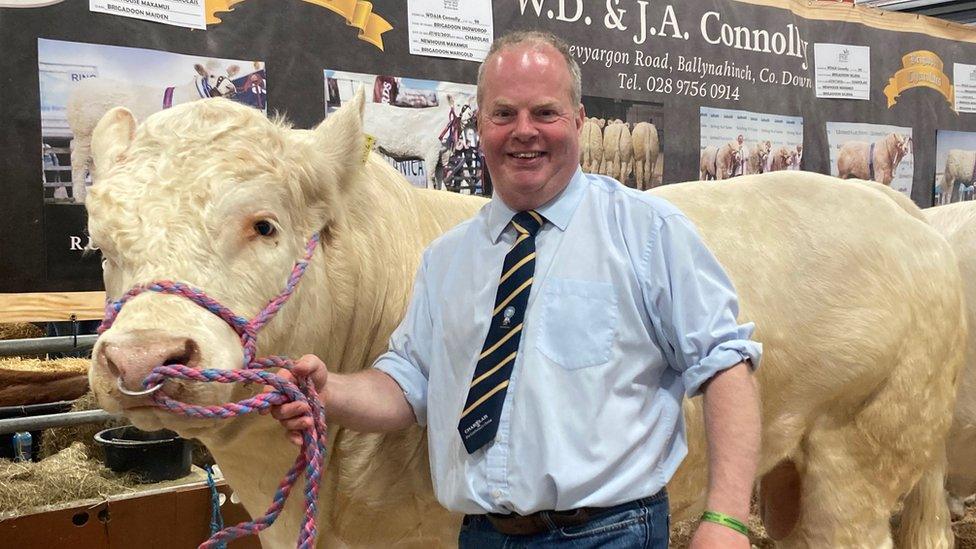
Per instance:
(456,29)
(964,77)
(843,71)
(179,13)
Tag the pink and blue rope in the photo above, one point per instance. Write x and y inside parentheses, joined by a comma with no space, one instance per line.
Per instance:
(312,454)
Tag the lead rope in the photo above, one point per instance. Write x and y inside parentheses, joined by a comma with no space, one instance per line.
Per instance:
(312,454)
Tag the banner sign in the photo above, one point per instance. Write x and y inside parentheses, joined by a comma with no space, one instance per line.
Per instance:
(718,88)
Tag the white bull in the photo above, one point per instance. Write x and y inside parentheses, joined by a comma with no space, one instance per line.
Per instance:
(842,399)
(861,352)
(957,222)
(189,209)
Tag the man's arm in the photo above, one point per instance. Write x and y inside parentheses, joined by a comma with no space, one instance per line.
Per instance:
(732,429)
(369,401)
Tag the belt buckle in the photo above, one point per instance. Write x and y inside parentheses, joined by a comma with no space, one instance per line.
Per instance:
(571,517)
(518,525)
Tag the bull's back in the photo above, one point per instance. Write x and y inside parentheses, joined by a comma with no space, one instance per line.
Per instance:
(847,284)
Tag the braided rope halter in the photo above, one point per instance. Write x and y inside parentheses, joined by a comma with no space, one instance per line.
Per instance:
(312,454)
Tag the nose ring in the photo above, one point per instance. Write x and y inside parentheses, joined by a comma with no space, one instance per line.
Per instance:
(127,392)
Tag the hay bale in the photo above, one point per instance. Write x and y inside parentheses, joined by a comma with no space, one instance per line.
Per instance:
(33,381)
(20,330)
(965,528)
(64,477)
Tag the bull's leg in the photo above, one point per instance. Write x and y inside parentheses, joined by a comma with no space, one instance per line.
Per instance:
(626,168)
(639,175)
(430,165)
(961,450)
(80,154)
(844,501)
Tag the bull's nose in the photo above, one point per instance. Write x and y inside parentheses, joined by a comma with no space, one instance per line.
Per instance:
(131,361)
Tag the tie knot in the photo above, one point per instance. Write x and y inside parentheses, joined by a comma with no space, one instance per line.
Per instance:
(528,222)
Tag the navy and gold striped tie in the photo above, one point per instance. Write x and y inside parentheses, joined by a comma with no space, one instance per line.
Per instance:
(483,408)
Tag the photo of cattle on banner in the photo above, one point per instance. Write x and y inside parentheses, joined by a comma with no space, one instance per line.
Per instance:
(426,129)
(872,152)
(81,82)
(620,139)
(955,168)
(737,143)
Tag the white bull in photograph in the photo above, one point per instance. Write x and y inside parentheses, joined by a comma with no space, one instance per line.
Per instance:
(857,378)
(876,161)
(92,98)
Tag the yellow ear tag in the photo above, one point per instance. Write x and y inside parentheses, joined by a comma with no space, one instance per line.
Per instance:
(367,146)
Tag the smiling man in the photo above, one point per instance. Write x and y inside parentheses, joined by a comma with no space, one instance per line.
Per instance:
(551,339)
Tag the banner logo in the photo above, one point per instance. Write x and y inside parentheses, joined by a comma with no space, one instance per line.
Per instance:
(357,13)
(920,68)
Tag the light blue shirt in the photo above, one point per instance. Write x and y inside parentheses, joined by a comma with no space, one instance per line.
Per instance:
(628,312)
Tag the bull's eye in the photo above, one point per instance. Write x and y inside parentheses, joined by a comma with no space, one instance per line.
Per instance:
(264,228)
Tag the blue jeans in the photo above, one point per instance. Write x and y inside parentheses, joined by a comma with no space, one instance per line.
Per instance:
(642,523)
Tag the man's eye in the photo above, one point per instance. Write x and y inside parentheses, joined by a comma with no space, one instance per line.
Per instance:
(264,228)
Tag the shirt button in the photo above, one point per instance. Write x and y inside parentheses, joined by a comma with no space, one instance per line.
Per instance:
(497,494)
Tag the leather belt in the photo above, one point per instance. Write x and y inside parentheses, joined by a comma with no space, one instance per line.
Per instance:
(542,521)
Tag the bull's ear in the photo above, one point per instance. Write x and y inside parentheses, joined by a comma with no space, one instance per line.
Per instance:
(111,138)
(338,143)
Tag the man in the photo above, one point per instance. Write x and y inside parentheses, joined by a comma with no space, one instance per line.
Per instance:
(598,308)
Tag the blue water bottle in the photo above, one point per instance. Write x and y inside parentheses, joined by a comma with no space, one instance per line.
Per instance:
(22,446)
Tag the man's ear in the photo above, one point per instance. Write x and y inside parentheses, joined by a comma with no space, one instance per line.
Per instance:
(111,138)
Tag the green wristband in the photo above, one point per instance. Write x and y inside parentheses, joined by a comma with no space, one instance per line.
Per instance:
(727,521)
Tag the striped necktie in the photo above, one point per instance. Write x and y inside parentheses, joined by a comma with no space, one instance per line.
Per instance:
(483,408)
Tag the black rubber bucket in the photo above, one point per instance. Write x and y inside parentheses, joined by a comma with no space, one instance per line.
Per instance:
(153,456)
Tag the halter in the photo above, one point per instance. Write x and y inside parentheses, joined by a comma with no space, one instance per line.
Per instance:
(311,456)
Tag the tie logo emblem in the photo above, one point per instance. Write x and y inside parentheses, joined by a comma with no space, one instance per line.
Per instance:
(508,313)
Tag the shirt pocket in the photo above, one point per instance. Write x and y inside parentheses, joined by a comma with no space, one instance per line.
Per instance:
(578,322)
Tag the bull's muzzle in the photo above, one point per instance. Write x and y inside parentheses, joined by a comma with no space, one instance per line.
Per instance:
(131,361)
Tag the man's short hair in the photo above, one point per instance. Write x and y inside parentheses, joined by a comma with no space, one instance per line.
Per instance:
(535,37)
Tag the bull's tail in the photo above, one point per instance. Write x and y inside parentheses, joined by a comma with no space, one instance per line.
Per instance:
(925,520)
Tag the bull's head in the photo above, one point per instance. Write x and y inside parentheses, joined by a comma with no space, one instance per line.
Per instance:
(763,147)
(219,81)
(212,194)
(904,145)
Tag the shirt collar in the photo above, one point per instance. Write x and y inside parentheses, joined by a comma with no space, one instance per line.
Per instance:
(557,211)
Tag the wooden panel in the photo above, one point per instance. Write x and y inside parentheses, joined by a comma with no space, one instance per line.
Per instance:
(174,518)
(49,307)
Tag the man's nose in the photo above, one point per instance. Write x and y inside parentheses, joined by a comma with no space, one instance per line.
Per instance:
(524,126)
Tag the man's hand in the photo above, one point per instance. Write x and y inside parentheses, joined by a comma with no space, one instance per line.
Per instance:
(296,416)
(709,535)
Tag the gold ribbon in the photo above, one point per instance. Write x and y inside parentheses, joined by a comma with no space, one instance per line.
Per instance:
(213,6)
(357,13)
(921,68)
